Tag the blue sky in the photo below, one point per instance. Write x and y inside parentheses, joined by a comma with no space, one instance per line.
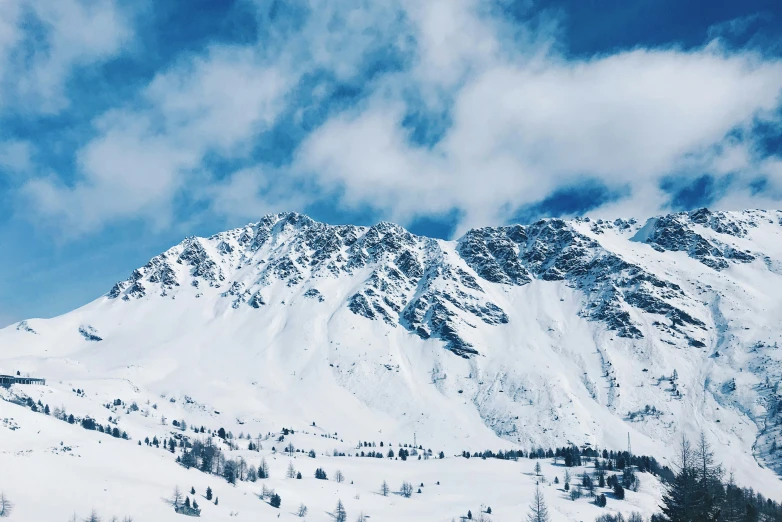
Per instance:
(126,126)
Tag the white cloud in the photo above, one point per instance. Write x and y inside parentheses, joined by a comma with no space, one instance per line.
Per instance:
(522,130)
(15,156)
(43,41)
(250,192)
(525,119)
(142,158)
(736,26)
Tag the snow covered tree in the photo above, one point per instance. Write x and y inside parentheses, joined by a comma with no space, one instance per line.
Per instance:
(275,500)
(339,477)
(93,517)
(384,489)
(302,511)
(340,515)
(406,490)
(208,493)
(538,510)
(291,473)
(537,468)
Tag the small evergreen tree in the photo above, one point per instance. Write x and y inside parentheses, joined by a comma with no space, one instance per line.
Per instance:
(619,491)
(208,493)
(275,501)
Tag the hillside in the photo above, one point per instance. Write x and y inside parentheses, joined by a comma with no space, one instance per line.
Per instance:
(548,334)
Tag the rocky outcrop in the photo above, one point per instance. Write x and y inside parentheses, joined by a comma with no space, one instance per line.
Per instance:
(437,289)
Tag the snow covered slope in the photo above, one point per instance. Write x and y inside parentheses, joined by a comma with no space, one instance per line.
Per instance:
(542,335)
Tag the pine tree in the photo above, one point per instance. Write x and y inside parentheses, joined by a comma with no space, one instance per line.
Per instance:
(291,473)
(709,491)
(340,515)
(302,511)
(275,500)
(538,510)
(734,507)
(679,502)
(384,489)
(208,493)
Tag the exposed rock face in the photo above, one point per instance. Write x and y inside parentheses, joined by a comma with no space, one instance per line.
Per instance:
(436,289)
(89,333)
(679,233)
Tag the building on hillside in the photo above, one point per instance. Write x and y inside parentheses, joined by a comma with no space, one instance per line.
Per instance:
(8,380)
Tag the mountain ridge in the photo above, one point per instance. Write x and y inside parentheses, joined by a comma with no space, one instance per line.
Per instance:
(550,333)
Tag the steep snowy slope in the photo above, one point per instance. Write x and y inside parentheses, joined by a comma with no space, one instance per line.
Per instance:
(556,332)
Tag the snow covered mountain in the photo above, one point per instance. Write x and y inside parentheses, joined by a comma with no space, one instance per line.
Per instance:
(533,335)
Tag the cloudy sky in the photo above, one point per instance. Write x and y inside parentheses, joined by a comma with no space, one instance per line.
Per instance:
(126,126)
